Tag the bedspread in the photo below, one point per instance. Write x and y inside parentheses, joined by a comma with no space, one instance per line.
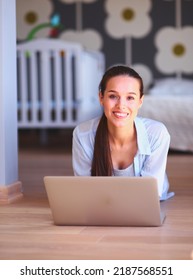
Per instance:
(176,112)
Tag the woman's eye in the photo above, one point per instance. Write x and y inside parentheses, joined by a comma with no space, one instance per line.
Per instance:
(130,98)
(112,96)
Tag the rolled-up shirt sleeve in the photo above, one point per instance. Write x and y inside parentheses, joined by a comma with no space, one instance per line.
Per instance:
(80,159)
(155,163)
(83,147)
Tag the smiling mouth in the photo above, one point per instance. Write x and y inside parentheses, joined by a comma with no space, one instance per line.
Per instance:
(120,115)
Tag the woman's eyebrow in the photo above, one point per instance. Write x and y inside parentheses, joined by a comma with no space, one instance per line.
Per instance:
(111,90)
(114,91)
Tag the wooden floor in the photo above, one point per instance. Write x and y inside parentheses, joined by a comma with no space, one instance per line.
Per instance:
(27,230)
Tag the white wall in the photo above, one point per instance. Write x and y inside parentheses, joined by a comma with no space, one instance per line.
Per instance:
(8,94)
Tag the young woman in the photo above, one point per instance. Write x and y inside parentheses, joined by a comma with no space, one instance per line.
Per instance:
(119,143)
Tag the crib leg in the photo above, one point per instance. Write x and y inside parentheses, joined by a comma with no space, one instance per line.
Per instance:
(43,136)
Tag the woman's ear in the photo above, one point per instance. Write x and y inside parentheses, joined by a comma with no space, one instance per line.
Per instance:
(101,97)
(141,101)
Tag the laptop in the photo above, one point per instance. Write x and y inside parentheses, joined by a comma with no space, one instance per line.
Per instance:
(104,201)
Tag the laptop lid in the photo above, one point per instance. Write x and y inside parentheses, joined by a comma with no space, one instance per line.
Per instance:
(104,201)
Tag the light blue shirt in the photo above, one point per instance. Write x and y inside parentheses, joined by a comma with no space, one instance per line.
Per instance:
(153,142)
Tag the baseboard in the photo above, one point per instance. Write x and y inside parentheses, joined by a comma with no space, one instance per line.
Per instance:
(10,193)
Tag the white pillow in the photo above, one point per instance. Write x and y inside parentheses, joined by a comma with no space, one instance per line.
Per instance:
(172,86)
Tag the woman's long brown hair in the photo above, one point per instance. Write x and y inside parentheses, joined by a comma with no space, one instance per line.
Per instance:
(102,162)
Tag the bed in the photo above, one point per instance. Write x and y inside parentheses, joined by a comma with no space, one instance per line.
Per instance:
(171,102)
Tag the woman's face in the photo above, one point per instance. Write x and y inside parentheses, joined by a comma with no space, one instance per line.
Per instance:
(121,100)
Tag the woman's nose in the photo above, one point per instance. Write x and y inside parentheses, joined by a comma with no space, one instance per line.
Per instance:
(121,102)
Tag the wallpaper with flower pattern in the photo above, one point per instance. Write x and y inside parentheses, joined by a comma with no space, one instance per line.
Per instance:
(153,36)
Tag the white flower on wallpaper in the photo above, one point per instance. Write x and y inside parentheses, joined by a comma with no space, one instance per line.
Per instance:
(145,73)
(31,14)
(174,50)
(75,1)
(88,38)
(128,18)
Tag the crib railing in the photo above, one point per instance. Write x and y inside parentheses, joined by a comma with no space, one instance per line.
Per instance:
(57,83)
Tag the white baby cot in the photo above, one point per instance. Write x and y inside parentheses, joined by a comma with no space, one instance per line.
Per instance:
(57,83)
